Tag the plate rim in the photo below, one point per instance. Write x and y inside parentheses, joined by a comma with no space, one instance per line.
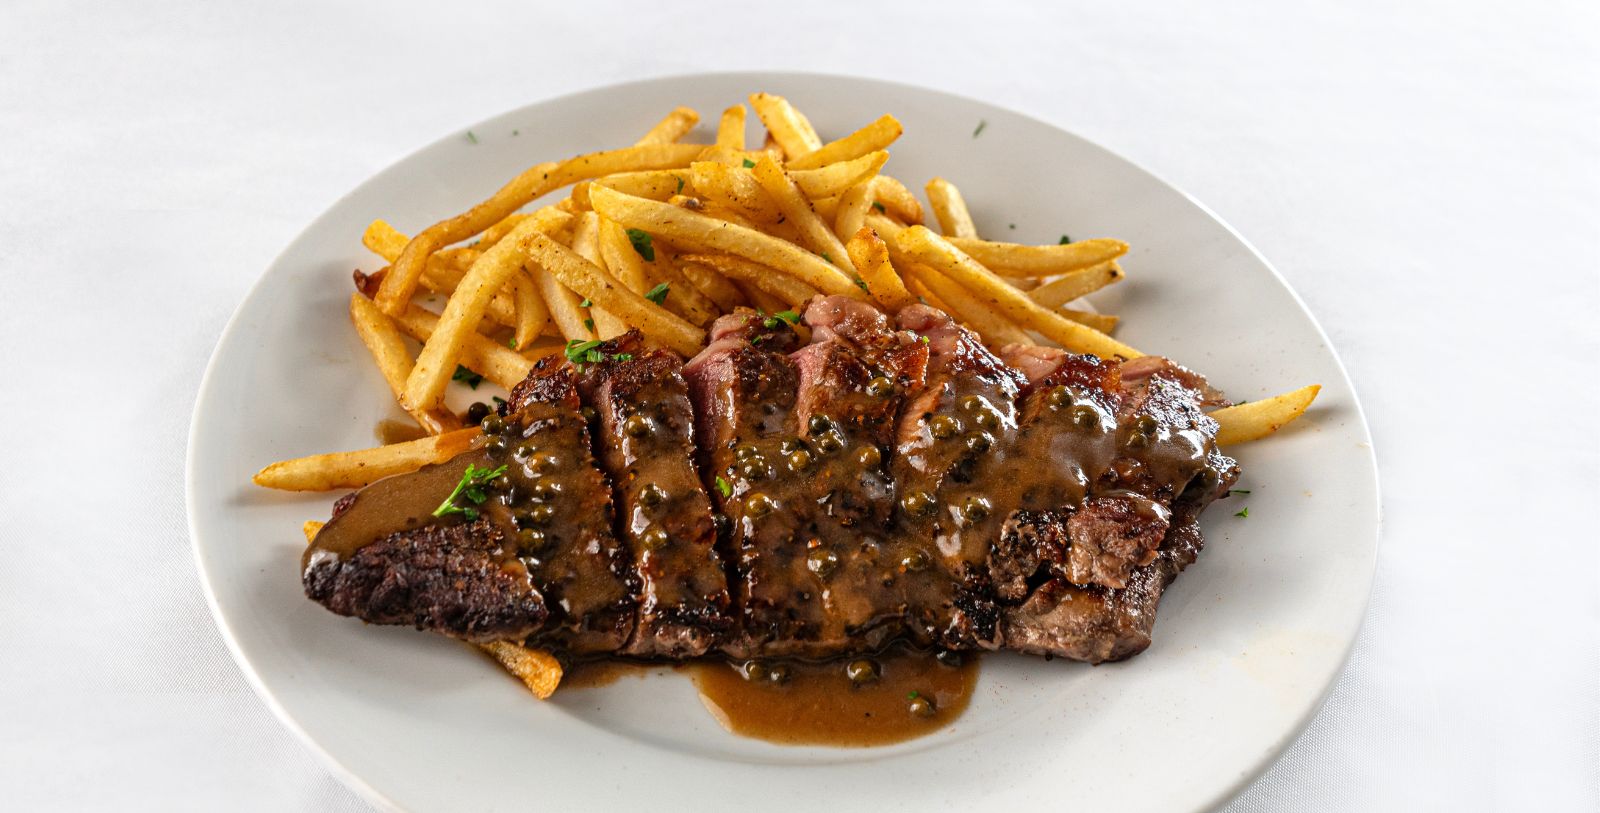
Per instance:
(350,779)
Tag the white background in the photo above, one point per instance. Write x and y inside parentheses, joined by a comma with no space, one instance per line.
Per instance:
(1426,176)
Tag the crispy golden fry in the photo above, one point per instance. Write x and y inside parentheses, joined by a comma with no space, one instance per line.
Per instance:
(814,232)
(734,187)
(622,260)
(595,284)
(532,312)
(836,178)
(310,528)
(715,287)
(1074,284)
(586,241)
(826,208)
(871,258)
(656,184)
(680,296)
(931,249)
(443,271)
(763,301)
(565,308)
(723,211)
(1103,322)
(537,670)
(406,273)
(479,353)
(996,330)
(926,294)
(747,273)
(388,348)
(730,130)
(875,136)
(676,125)
(1012,260)
(494,233)
(1257,419)
(326,472)
(440,354)
(698,231)
(790,130)
(950,209)
(897,200)
(851,213)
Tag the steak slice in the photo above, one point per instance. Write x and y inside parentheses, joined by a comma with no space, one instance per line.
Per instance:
(645,444)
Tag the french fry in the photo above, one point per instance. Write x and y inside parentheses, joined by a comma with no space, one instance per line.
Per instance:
(790,130)
(565,310)
(494,233)
(586,241)
(1103,322)
(875,136)
(730,129)
(311,528)
(814,232)
(826,208)
(681,297)
(705,233)
(836,178)
(715,287)
(440,354)
(443,271)
(950,209)
(537,670)
(851,214)
(595,284)
(996,330)
(747,274)
(676,125)
(1013,260)
(479,353)
(897,200)
(388,348)
(927,295)
(326,472)
(622,260)
(532,312)
(657,184)
(736,188)
(931,249)
(871,257)
(1075,284)
(724,211)
(1257,419)
(401,283)
(763,301)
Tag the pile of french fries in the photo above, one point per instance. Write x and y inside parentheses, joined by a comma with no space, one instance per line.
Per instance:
(665,236)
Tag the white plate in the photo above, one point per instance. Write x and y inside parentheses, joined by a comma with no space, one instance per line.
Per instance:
(1249,638)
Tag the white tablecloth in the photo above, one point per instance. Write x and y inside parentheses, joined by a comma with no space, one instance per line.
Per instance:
(1427,176)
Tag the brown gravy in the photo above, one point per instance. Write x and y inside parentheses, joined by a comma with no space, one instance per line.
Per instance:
(389,431)
(597,673)
(818,704)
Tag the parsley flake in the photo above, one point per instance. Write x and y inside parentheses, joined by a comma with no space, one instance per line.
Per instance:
(586,303)
(912,695)
(749,163)
(862,284)
(588,324)
(467,377)
(723,488)
(512,342)
(641,243)
(1064,240)
(679,179)
(982,123)
(471,137)
(781,316)
(825,256)
(1245,513)
(879,206)
(659,293)
(1238,491)
(471,488)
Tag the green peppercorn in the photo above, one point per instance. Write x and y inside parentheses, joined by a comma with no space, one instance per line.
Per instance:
(944,426)
(869,457)
(921,707)
(477,412)
(495,445)
(918,503)
(949,657)
(978,442)
(1137,440)
(800,460)
(1085,417)
(655,538)
(880,386)
(756,672)
(542,514)
(914,561)
(988,419)
(754,469)
(973,403)
(544,464)
(822,561)
(636,426)
(652,495)
(745,451)
(1146,425)
(829,443)
(588,413)
(862,671)
(976,509)
(523,451)
(522,520)
(530,539)
(1059,397)
(791,445)
(546,490)
(758,505)
(819,424)
(778,673)
(493,425)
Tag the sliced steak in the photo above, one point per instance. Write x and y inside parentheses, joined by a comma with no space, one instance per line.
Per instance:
(645,444)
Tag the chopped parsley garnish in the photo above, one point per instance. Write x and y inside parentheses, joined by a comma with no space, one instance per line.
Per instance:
(1244,513)
(588,324)
(498,400)
(1238,491)
(825,256)
(862,284)
(912,695)
(723,488)
(759,339)
(589,352)
(982,123)
(586,303)
(781,316)
(679,178)
(471,137)
(516,132)
(659,293)
(1064,240)
(923,339)
(471,488)
(622,357)
(641,243)
(467,377)
(748,163)
(512,342)
(879,206)
(1011,226)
